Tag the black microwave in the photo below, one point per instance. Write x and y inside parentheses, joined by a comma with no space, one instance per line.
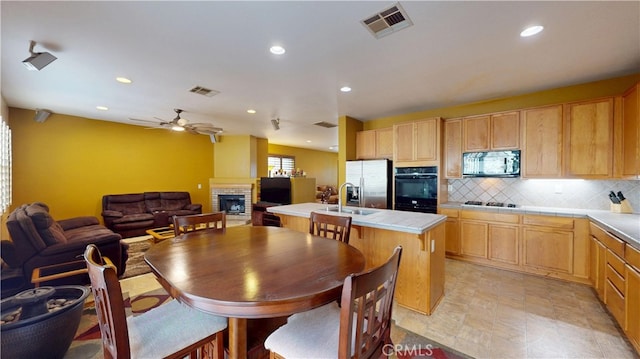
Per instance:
(491,164)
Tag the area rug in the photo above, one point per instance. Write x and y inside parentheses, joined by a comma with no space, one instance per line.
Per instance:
(88,345)
(135,263)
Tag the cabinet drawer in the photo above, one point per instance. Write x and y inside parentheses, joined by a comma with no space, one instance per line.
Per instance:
(615,302)
(632,257)
(615,278)
(548,221)
(451,213)
(615,262)
(612,242)
(490,216)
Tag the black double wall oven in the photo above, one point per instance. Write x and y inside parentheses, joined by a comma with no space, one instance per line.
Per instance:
(416,189)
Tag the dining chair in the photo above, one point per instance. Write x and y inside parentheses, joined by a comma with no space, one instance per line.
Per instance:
(196,222)
(330,226)
(359,328)
(172,330)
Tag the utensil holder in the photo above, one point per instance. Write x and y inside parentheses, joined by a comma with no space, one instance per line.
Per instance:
(623,207)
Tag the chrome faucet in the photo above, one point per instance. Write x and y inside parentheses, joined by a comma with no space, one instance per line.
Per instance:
(340,194)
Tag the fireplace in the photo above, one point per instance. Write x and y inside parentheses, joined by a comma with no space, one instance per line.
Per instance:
(234,198)
(231,203)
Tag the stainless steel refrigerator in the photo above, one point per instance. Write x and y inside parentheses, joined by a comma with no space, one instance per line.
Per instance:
(372,180)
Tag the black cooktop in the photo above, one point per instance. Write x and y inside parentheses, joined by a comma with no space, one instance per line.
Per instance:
(490,204)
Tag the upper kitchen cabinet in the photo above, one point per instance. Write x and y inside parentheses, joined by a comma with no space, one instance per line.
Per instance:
(417,143)
(630,133)
(588,139)
(453,148)
(542,142)
(500,131)
(374,144)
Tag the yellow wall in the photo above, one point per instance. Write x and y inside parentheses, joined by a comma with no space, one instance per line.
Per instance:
(610,87)
(71,162)
(321,165)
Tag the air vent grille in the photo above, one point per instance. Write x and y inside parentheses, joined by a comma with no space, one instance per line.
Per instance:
(325,124)
(387,21)
(200,90)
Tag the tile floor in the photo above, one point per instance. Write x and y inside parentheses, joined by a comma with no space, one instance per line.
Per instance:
(492,313)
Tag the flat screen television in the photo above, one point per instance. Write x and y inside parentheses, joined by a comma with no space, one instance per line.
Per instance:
(275,190)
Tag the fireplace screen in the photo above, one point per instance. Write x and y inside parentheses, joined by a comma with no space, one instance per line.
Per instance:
(231,203)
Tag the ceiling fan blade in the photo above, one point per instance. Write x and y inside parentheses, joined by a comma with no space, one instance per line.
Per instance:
(143,121)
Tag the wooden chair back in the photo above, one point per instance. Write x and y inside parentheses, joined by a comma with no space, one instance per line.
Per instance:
(109,304)
(196,222)
(365,312)
(330,226)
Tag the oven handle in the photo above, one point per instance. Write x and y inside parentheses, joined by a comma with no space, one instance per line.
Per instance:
(416,176)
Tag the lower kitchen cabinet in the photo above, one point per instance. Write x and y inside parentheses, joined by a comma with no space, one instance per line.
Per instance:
(452,231)
(474,238)
(548,249)
(632,305)
(503,243)
(597,266)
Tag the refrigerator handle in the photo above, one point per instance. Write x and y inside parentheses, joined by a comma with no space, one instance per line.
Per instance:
(361,194)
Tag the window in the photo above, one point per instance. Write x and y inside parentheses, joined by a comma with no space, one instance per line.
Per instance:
(5,166)
(285,163)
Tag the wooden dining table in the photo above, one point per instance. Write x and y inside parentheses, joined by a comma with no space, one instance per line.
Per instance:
(252,272)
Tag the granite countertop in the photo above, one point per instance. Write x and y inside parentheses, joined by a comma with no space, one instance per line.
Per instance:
(401,221)
(625,226)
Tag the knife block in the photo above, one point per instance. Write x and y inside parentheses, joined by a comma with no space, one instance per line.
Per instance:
(623,207)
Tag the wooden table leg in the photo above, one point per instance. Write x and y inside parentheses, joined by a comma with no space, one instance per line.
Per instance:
(237,338)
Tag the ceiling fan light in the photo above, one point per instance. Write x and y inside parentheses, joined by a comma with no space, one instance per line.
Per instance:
(177,128)
(181,122)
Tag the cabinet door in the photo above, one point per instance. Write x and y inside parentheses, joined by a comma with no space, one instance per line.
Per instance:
(474,238)
(589,139)
(453,148)
(597,266)
(403,143)
(476,133)
(503,243)
(426,140)
(384,143)
(630,135)
(366,145)
(542,142)
(548,249)
(632,304)
(505,131)
(452,244)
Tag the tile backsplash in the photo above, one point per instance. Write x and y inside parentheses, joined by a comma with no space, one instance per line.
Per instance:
(564,193)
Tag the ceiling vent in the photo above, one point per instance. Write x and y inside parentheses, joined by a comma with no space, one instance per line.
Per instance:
(325,124)
(204,91)
(387,21)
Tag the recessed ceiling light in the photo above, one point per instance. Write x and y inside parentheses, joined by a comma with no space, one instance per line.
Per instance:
(123,80)
(308,141)
(277,50)
(345,89)
(532,30)
(251,111)
(102,108)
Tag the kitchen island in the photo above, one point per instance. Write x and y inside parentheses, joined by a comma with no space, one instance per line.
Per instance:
(375,232)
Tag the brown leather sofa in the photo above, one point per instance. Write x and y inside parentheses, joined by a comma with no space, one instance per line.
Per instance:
(38,240)
(132,214)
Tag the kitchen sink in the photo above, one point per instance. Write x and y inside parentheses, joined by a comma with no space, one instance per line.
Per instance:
(349,210)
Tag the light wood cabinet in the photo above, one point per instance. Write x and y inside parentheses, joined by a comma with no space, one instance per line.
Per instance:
(474,239)
(630,134)
(489,235)
(632,305)
(500,131)
(588,139)
(542,142)
(453,148)
(548,249)
(452,231)
(503,243)
(597,266)
(417,143)
(374,144)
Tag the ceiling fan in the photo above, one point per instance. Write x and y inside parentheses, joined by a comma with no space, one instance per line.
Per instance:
(181,124)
